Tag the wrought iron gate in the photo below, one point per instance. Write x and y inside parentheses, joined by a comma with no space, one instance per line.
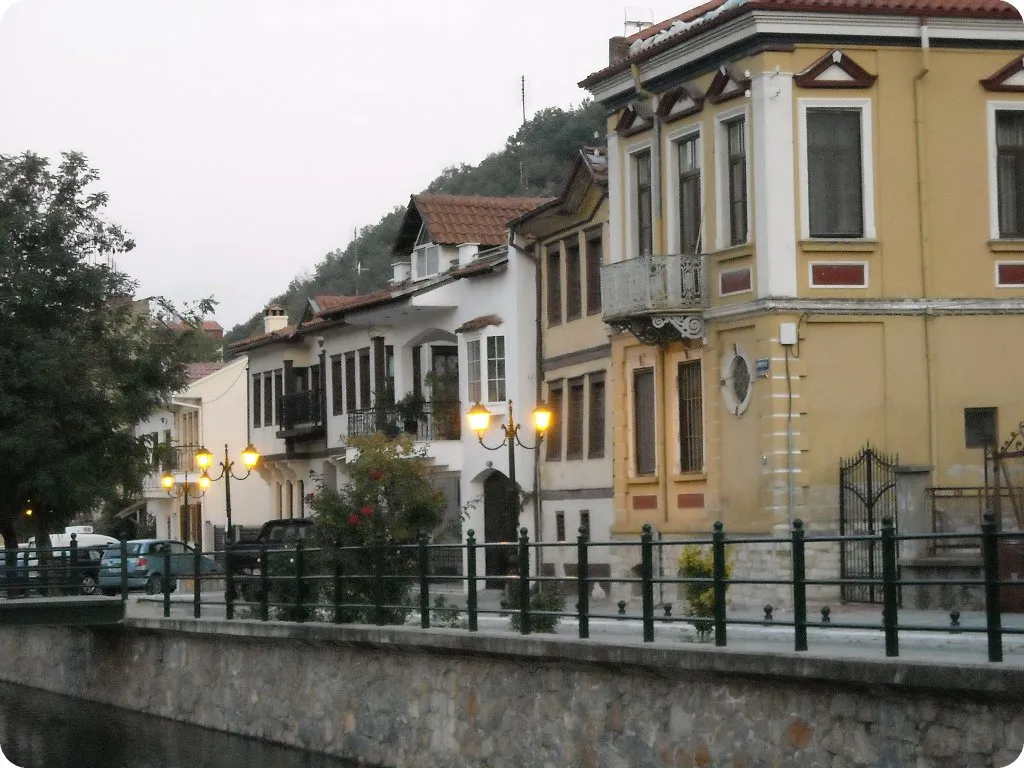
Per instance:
(867,494)
(1004,481)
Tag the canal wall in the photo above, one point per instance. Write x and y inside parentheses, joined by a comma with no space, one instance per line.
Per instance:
(437,698)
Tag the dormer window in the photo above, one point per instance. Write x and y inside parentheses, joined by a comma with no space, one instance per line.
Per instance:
(426,261)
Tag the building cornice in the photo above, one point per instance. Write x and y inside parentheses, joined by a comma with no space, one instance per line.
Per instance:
(694,56)
(855,307)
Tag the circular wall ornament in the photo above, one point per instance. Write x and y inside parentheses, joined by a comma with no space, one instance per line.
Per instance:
(737,376)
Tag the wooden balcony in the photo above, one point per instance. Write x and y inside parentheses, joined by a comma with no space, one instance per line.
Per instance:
(302,415)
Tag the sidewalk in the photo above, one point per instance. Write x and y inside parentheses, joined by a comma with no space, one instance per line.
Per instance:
(834,639)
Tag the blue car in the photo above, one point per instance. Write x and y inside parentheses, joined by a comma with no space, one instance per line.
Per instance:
(146,565)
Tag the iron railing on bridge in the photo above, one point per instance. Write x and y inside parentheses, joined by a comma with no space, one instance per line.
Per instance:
(305,582)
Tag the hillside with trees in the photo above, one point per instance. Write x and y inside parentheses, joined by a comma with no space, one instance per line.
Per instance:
(534,161)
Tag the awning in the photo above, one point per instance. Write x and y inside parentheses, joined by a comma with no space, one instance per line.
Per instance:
(135,507)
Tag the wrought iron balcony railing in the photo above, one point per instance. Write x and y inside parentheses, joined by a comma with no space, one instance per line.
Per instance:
(301,409)
(439,420)
(653,284)
(174,458)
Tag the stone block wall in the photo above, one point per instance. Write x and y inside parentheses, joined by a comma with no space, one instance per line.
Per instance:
(409,698)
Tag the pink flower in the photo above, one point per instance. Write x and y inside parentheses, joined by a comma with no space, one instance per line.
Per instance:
(366,511)
(353,519)
(375,474)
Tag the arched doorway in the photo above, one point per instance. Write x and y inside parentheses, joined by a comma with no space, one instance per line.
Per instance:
(501,518)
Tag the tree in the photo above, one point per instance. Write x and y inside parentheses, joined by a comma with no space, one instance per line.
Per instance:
(81,362)
(388,502)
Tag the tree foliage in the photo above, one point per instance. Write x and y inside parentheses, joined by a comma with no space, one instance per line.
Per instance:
(81,362)
(534,162)
(388,502)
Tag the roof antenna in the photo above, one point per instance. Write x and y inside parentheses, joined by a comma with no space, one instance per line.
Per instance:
(637,19)
(355,253)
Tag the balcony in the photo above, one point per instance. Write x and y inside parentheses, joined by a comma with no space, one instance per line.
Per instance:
(440,420)
(657,298)
(302,415)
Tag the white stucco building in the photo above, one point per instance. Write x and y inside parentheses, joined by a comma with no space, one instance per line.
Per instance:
(457,325)
(210,412)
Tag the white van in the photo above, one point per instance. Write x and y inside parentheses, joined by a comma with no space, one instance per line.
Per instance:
(62,542)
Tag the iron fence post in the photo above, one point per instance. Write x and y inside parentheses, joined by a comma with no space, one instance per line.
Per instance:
(647,581)
(719,585)
(799,587)
(167,580)
(124,570)
(990,560)
(471,579)
(378,580)
(583,592)
(229,583)
(300,558)
(74,577)
(264,582)
(337,582)
(424,566)
(197,581)
(890,614)
(524,581)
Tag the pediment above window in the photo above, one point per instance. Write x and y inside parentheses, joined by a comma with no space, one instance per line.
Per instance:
(835,70)
(638,116)
(728,84)
(681,101)
(1008,79)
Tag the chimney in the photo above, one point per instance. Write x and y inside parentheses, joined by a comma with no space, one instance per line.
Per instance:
(274,318)
(402,271)
(618,50)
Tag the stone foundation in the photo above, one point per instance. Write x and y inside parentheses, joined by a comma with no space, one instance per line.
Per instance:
(413,698)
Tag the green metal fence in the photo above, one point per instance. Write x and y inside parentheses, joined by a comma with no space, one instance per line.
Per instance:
(383,583)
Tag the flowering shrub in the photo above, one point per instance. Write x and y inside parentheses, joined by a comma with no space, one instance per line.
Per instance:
(697,562)
(387,503)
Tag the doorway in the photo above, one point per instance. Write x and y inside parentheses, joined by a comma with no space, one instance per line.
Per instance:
(501,518)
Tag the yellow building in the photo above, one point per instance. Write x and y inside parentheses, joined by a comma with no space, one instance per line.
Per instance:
(568,236)
(816,241)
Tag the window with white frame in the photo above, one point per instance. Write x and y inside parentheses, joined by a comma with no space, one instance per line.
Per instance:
(735,140)
(1009,147)
(495,368)
(837,185)
(473,370)
(427,260)
(688,154)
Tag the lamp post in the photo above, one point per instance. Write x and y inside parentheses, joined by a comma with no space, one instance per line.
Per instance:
(168,483)
(479,420)
(250,458)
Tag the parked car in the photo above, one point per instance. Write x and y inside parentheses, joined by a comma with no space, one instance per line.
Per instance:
(275,534)
(60,544)
(146,565)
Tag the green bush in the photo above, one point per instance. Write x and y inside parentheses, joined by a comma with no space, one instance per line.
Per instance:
(543,597)
(697,562)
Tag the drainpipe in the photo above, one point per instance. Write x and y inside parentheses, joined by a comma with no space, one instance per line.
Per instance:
(923,234)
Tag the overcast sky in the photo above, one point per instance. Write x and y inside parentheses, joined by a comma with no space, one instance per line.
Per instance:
(241,140)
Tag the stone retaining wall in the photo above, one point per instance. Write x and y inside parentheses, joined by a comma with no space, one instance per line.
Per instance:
(445,699)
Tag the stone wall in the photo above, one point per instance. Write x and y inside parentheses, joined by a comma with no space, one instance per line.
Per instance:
(445,699)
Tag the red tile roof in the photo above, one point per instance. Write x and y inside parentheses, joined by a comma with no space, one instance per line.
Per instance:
(989,9)
(457,219)
(196,371)
(330,303)
(260,338)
